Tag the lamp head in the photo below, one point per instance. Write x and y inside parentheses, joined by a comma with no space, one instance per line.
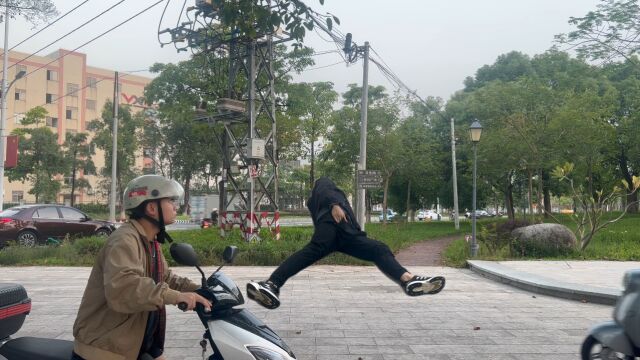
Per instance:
(20,74)
(475,130)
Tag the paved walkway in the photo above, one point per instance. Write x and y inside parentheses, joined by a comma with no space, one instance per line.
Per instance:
(356,313)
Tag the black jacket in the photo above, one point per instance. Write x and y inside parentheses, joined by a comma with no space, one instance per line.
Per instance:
(324,195)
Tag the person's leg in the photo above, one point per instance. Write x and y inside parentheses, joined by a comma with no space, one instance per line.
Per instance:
(323,242)
(379,253)
(375,251)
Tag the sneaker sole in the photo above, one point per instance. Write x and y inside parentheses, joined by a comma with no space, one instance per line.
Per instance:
(431,287)
(262,297)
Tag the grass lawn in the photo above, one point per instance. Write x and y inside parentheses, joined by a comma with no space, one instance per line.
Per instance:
(209,245)
(619,241)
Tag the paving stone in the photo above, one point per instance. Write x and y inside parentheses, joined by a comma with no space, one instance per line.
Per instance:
(324,318)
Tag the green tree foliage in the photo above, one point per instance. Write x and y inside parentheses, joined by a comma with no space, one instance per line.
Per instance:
(254,17)
(609,33)
(591,204)
(77,153)
(34,11)
(312,104)
(41,158)
(129,130)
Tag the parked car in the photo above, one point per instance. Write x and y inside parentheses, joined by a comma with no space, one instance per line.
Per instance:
(422,215)
(479,214)
(31,225)
(390,215)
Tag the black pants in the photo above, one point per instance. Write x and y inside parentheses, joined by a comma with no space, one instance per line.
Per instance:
(329,237)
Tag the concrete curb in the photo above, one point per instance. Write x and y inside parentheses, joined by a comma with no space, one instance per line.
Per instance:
(543,285)
(186,222)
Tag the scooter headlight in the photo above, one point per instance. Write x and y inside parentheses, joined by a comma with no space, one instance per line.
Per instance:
(261,353)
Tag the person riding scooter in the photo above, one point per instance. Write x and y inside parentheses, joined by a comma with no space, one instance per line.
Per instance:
(122,313)
(620,338)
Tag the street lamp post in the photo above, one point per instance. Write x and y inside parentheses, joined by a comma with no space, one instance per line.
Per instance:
(475,130)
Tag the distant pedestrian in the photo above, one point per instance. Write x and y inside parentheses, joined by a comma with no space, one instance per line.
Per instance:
(336,229)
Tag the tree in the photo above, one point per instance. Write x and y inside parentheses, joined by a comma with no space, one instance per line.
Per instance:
(312,104)
(129,128)
(34,11)
(77,153)
(609,33)
(251,17)
(40,157)
(591,206)
(625,121)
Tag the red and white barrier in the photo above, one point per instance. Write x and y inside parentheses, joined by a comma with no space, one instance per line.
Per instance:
(250,224)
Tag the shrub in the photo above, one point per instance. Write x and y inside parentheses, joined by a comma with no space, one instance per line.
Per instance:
(497,235)
(89,246)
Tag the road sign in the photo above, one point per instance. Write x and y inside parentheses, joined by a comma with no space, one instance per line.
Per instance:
(369,179)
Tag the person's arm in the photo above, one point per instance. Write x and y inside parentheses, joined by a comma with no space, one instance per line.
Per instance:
(126,287)
(329,198)
(177,282)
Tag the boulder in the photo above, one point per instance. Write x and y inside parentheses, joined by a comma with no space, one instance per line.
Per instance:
(543,239)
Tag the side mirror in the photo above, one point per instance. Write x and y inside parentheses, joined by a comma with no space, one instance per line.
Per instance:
(229,253)
(86,218)
(184,254)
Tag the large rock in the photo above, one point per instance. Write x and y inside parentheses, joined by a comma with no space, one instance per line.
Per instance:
(543,240)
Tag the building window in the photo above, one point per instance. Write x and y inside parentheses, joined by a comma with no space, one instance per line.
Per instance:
(21,94)
(72,89)
(52,122)
(52,75)
(90,104)
(17,196)
(50,99)
(72,113)
(92,82)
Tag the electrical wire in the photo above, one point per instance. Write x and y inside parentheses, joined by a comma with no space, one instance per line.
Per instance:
(325,66)
(160,23)
(67,34)
(49,24)
(97,37)
(178,21)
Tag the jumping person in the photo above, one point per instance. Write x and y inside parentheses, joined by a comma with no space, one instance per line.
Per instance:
(336,229)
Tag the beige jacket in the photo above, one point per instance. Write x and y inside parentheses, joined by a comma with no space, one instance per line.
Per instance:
(120,294)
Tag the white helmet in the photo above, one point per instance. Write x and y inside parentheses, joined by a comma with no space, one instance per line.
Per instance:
(150,187)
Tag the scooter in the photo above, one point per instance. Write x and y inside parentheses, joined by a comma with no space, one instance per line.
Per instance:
(233,334)
(620,338)
(206,223)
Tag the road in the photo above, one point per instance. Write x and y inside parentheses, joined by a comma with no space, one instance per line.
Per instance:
(340,313)
(285,221)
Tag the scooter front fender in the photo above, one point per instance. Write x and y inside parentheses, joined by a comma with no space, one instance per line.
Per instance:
(612,335)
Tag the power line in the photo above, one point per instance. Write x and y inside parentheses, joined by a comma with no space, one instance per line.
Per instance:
(160,23)
(69,33)
(325,66)
(97,37)
(48,25)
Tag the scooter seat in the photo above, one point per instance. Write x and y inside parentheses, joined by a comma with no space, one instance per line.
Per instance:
(33,348)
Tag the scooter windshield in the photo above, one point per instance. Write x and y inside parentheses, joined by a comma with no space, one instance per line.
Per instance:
(224,290)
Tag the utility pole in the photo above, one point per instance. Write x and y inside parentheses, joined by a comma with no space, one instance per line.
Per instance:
(455,176)
(114,152)
(3,116)
(363,131)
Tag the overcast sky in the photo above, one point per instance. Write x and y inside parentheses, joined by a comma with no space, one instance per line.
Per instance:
(431,45)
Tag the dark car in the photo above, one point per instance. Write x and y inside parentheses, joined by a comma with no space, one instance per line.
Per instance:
(31,225)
